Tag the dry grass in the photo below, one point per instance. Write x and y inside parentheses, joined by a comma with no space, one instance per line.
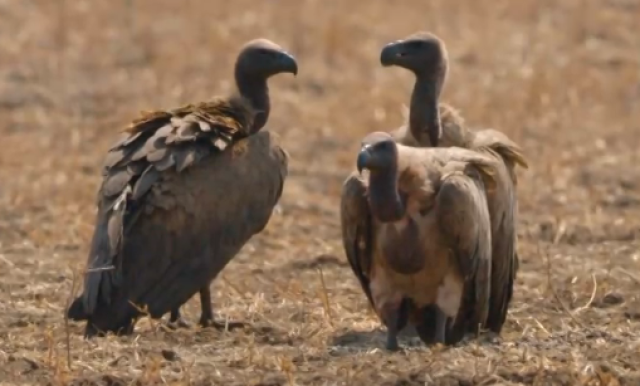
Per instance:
(562,78)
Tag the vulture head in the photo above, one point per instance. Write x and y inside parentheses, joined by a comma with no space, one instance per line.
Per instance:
(425,55)
(379,155)
(422,53)
(262,58)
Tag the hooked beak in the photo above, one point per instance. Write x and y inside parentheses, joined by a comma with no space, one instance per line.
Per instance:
(390,54)
(363,159)
(289,63)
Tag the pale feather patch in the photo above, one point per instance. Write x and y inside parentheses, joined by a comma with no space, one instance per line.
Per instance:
(449,296)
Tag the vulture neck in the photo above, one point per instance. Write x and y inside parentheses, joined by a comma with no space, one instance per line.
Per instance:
(255,89)
(424,115)
(386,203)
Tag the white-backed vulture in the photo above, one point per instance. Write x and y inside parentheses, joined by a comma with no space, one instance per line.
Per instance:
(417,233)
(183,191)
(432,123)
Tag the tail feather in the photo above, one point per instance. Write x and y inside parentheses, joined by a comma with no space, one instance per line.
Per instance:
(103,270)
(76,310)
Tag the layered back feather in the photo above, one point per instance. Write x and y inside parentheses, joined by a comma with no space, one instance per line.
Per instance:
(156,142)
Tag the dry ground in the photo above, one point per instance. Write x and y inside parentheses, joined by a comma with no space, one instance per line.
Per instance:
(562,78)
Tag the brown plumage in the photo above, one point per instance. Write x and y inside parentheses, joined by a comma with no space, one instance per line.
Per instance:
(417,234)
(183,191)
(432,123)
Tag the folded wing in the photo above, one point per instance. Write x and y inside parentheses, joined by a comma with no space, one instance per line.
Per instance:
(465,225)
(183,190)
(357,230)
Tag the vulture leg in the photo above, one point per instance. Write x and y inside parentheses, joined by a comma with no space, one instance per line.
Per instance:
(396,320)
(441,327)
(176,320)
(206,318)
(392,334)
(426,326)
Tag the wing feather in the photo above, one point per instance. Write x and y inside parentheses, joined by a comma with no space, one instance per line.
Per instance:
(144,183)
(357,231)
(464,221)
(511,153)
(503,207)
(172,264)
(139,160)
(115,182)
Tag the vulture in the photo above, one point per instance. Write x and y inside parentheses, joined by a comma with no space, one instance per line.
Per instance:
(417,233)
(182,191)
(435,124)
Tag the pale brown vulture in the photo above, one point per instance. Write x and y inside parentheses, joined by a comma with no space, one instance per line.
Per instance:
(183,191)
(417,233)
(432,123)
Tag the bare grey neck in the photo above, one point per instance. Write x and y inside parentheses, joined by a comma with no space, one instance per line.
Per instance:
(384,198)
(255,89)
(424,115)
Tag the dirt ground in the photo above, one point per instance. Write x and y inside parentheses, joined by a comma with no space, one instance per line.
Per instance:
(562,78)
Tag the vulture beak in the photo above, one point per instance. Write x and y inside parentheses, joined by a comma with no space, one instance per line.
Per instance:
(363,159)
(289,63)
(390,53)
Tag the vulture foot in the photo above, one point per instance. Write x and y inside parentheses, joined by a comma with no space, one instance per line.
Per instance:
(396,320)
(176,321)
(209,322)
(392,341)
(206,318)
(91,330)
(426,327)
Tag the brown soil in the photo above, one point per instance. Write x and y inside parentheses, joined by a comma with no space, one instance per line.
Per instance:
(562,78)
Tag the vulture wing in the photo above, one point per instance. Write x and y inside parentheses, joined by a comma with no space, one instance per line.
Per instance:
(503,206)
(510,152)
(182,192)
(357,230)
(465,224)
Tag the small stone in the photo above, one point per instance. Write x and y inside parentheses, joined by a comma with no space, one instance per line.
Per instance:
(613,298)
(170,355)
(609,300)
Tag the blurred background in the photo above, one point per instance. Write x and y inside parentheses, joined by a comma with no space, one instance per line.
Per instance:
(561,78)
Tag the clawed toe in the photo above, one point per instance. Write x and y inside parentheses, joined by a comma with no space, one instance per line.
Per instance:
(204,323)
(180,323)
(392,343)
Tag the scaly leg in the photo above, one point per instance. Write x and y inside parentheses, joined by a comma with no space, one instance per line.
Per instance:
(396,318)
(176,320)
(392,332)
(426,324)
(441,327)
(206,318)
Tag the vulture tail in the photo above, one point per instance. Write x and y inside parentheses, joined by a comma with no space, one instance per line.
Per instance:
(76,310)
(104,268)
